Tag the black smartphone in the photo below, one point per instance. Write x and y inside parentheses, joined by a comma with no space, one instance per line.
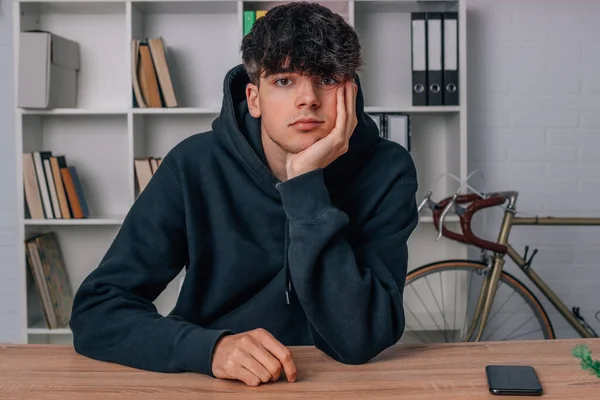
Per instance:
(520,380)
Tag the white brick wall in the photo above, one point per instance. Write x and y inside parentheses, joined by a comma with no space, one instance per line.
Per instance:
(534,115)
(10,312)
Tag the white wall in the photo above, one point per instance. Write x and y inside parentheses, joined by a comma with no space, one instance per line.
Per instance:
(10,314)
(534,118)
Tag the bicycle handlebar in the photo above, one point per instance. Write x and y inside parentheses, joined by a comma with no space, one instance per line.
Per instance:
(441,209)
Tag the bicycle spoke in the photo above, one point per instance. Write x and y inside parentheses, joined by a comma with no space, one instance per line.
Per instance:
(420,324)
(443,307)
(505,301)
(510,315)
(530,318)
(455,291)
(437,304)
(426,308)
(523,334)
(468,302)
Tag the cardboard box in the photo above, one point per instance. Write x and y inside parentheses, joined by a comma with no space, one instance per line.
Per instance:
(48,71)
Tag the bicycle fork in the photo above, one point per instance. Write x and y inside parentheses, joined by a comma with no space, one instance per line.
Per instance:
(485,299)
(491,280)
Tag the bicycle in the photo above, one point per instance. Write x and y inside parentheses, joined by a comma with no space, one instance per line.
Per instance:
(477,324)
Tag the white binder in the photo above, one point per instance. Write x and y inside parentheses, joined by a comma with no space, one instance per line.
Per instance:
(398,129)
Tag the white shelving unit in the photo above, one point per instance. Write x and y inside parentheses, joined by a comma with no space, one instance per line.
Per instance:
(104,133)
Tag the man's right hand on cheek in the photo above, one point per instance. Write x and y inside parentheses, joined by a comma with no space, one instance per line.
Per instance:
(252,357)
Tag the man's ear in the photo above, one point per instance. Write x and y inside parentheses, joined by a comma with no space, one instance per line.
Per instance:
(253,100)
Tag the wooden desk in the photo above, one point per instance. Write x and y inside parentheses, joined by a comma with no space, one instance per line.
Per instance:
(453,371)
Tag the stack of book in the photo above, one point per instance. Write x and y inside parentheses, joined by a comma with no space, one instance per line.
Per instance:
(52,189)
(151,79)
(145,168)
(46,263)
(250,17)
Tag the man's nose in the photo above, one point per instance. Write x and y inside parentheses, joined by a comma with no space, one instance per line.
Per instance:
(307,96)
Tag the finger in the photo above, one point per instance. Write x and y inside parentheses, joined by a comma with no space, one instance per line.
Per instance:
(246,376)
(252,365)
(351,90)
(341,110)
(349,96)
(266,359)
(282,353)
(355,95)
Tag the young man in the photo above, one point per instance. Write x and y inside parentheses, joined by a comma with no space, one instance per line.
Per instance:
(291,217)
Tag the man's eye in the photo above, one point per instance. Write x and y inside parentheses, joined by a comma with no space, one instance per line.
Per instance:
(329,81)
(283,81)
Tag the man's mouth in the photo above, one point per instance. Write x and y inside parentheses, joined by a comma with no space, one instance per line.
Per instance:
(306,124)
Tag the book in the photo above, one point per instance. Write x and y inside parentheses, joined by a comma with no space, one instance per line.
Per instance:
(33,198)
(52,188)
(45,258)
(56,162)
(249,18)
(143,172)
(137,91)
(35,266)
(145,168)
(79,191)
(38,156)
(157,51)
(147,78)
(75,193)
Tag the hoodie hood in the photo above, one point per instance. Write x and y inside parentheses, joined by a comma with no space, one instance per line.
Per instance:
(240,132)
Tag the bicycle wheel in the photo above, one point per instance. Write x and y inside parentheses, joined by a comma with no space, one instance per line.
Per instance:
(440,301)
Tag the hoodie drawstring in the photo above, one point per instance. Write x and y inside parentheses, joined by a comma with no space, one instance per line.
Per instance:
(288,281)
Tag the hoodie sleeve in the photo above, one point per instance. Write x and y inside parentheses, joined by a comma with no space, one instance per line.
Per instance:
(351,293)
(114,318)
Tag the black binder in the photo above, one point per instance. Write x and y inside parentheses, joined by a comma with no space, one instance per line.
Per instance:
(450,26)
(419,58)
(434,59)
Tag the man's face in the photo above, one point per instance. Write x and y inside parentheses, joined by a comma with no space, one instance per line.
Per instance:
(296,110)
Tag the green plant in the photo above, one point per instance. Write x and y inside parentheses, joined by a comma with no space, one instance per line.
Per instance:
(582,352)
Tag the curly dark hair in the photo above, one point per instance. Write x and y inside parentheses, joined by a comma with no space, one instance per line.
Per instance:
(302,37)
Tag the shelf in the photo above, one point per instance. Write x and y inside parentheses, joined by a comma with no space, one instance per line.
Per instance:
(403,6)
(123,111)
(413,110)
(99,28)
(46,331)
(340,7)
(97,146)
(177,110)
(73,111)
(427,219)
(75,222)
(103,133)
(186,7)
(73,7)
(197,61)
(155,134)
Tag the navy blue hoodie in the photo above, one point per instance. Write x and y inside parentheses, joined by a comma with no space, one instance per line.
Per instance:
(319,259)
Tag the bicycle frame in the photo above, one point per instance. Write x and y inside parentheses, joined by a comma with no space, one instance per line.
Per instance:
(487,293)
(502,247)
